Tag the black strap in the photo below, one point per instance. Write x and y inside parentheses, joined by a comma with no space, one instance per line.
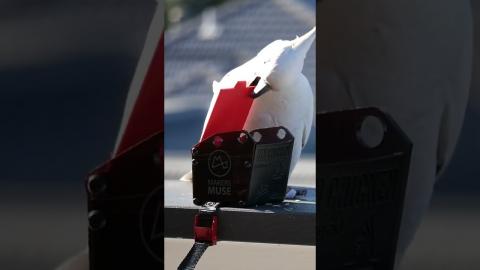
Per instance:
(205,219)
(193,256)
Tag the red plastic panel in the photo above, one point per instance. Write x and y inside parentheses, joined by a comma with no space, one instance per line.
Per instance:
(231,110)
(147,115)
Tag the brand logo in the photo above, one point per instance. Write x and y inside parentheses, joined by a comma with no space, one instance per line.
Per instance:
(219,163)
(219,187)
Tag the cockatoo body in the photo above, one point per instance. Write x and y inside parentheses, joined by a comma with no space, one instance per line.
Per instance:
(283,95)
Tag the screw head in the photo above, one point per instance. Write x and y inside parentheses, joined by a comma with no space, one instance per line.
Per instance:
(96,220)
(281,133)
(195,152)
(256,136)
(97,184)
(247,164)
(217,141)
(242,138)
(371,132)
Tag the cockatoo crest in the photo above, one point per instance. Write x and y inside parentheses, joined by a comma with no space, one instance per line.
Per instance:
(280,62)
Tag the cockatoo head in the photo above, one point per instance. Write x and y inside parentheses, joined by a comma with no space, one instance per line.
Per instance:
(281,62)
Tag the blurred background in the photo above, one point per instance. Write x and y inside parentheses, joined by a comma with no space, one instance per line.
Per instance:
(65,69)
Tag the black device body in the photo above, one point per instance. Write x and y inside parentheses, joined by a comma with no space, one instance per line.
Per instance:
(241,169)
(362,161)
(125,209)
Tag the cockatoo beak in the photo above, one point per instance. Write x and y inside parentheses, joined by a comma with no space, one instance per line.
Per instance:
(261,87)
(302,44)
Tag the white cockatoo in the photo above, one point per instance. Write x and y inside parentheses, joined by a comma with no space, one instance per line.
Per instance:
(284,96)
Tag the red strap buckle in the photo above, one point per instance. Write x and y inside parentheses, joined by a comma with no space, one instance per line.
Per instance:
(205,228)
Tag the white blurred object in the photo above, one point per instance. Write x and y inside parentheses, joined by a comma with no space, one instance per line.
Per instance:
(291,194)
(175,14)
(209,28)
(413,59)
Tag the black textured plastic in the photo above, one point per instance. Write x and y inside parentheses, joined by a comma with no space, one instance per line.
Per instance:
(237,170)
(360,190)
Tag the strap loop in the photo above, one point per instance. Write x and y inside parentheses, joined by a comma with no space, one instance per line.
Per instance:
(205,230)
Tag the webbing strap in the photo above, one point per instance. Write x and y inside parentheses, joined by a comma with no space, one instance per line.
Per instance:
(193,256)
